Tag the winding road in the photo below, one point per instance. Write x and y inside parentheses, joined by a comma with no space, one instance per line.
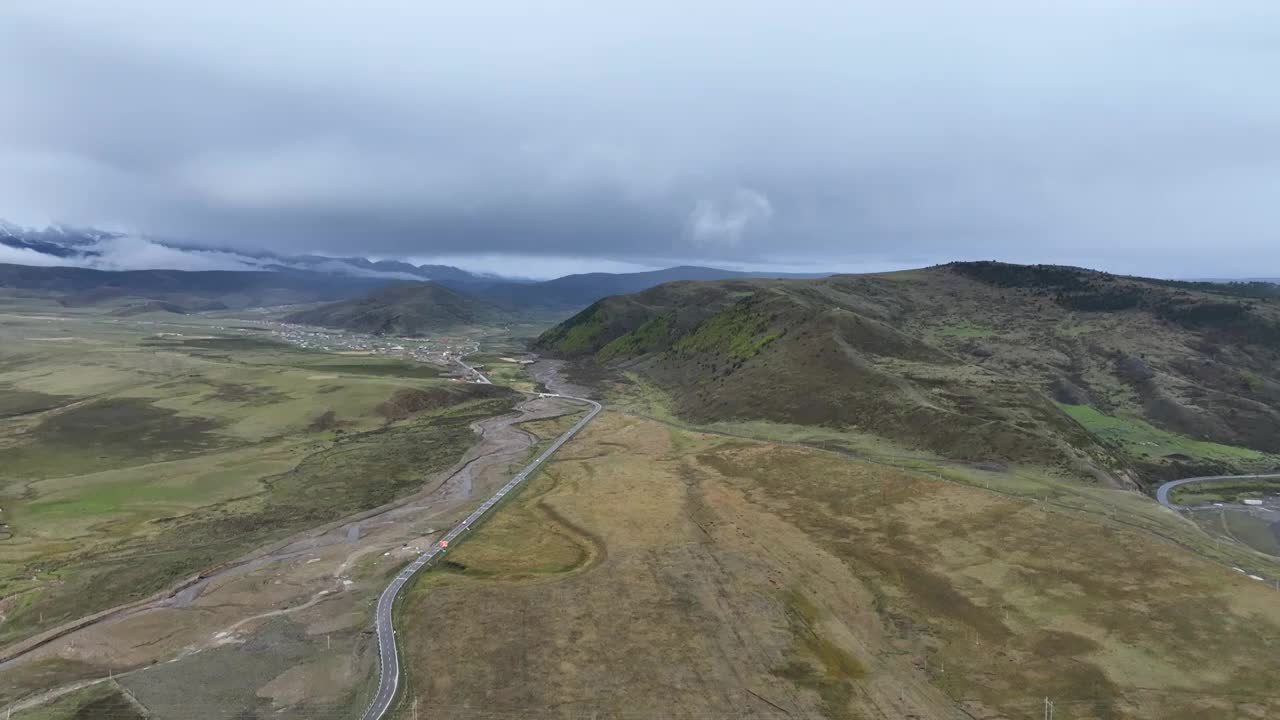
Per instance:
(388,655)
(1162,492)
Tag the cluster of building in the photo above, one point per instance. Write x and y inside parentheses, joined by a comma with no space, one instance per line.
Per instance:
(439,351)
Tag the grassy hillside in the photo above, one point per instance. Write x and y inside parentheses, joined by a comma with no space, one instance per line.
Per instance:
(696,576)
(1119,378)
(407,309)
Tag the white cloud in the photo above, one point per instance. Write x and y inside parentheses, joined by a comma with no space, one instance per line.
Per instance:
(137,253)
(23,256)
(915,130)
(723,222)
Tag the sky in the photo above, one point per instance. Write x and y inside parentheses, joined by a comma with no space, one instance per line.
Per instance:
(1132,135)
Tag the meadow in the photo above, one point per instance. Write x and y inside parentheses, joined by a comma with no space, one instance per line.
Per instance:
(1049,486)
(138,452)
(1224,492)
(661,571)
(503,369)
(1142,439)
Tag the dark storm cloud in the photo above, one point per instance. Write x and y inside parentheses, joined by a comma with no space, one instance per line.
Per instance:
(1138,136)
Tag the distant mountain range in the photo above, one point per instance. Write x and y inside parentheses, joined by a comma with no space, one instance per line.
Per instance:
(106,250)
(209,289)
(421,308)
(82,266)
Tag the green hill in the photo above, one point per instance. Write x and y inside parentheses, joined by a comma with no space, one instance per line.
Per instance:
(406,309)
(1126,379)
(150,306)
(577,291)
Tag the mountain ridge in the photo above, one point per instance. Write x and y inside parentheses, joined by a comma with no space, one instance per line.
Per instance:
(579,290)
(1125,378)
(231,288)
(405,309)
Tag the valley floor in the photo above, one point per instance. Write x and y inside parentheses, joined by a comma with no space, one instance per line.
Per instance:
(284,634)
(196,518)
(650,570)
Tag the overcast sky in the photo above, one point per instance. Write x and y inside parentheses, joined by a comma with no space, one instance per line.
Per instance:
(1135,135)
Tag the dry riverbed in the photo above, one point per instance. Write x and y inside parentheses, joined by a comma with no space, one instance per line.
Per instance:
(286,631)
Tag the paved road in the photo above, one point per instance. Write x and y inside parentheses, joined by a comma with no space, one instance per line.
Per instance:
(1162,492)
(475,374)
(388,657)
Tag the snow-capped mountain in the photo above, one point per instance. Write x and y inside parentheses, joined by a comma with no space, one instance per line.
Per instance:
(56,240)
(106,250)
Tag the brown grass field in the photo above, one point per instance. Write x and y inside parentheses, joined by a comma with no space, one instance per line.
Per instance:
(654,572)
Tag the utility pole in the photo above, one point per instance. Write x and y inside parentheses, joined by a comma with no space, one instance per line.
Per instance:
(1048,709)
(415,707)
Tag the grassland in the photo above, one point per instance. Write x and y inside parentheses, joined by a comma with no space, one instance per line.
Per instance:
(501,370)
(1049,487)
(134,454)
(1140,438)
(1224,492)
(1249,529)
(740,332)
(691,575)
(102,701)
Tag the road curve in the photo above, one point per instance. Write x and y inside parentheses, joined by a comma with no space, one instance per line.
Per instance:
(1162,492)
(388,656)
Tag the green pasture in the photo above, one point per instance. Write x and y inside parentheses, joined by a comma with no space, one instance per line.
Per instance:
(1140,438)
(126,439)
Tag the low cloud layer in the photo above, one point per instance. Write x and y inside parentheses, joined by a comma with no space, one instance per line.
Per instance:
(1134,136)
(96,250)
(122,252)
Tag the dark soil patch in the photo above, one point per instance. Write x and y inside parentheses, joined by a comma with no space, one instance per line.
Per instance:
(1057,643)
(114,706)
(247,394)
(410,401)
(328,420)
(130,425)
(237,344)
(14,403)
(406,402)
(383,369)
